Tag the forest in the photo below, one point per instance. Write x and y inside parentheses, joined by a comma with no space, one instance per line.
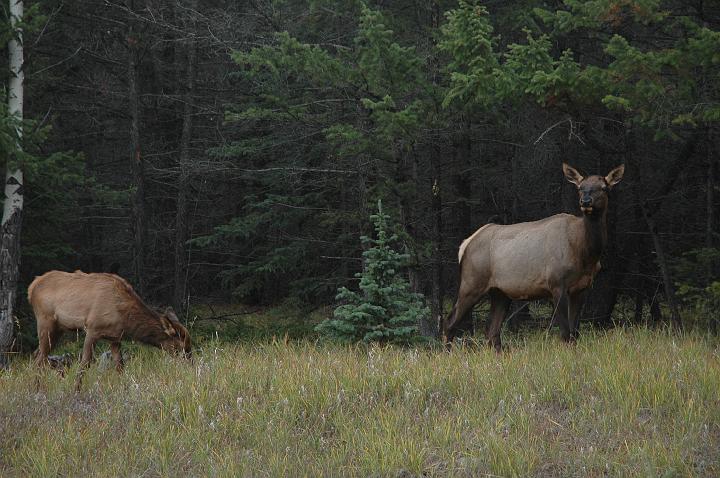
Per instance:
(315,187)
(215,152)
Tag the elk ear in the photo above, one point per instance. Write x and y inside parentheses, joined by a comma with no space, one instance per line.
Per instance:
(167,326)
(170,314)
(615,176)
(572,175)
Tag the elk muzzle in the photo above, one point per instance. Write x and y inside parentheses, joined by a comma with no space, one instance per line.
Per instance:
(586,204)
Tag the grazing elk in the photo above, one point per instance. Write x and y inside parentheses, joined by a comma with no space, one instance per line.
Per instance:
(556,257)
(106,307)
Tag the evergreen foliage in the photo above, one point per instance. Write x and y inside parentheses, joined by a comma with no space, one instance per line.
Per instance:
(55,180)
(384,309)
(662,84)
(304,114)
(698,284)
(348,118)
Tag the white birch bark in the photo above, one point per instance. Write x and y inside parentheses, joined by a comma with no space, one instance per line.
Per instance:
(14,176)
(13,193)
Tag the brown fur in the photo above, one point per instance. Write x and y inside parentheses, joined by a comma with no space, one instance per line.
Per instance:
(556,257)
(106,307)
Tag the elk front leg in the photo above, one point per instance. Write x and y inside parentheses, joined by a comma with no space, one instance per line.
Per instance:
(576,302)
(117,356)
(499,304)
(460,313)
(456,322)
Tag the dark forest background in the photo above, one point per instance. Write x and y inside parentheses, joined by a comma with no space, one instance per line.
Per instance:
(224,151)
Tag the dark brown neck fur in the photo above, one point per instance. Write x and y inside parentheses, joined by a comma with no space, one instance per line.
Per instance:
(595,236)
(144,325)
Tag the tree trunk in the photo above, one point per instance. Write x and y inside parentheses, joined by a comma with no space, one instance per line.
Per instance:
(710,200)
(463,188)
(681,161)
(710,226)
(431,328)
(138,168)
(181,216)
(602,296)
(519,311)
(662,263)
(638,269)
(13,201)
(655,312)
(408,200)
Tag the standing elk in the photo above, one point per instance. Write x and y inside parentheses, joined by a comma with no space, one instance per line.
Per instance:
(556,257)
(106,307)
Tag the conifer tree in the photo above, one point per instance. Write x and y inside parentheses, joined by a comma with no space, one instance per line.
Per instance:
(385,309)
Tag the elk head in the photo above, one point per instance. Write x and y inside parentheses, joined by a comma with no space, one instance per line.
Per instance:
(593,190)
(178,338)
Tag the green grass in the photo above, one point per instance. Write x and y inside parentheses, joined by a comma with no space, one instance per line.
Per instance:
(247,323)
(629,403)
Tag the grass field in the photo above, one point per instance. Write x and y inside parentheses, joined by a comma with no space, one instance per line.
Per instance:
(629,403)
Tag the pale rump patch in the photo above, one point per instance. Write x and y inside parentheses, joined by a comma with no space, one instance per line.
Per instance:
(465,243)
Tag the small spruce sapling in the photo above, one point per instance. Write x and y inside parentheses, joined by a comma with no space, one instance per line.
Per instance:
(384,309)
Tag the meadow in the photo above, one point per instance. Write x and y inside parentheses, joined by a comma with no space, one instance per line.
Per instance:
(630,402)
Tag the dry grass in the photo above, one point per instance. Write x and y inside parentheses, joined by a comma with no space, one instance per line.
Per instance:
(630,403)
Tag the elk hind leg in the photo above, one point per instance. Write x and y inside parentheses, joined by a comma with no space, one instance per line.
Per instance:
(48,335)
(87,355)
(499,304)
(560,313)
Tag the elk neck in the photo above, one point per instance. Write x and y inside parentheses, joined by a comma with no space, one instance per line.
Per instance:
(595,236)
(144,325)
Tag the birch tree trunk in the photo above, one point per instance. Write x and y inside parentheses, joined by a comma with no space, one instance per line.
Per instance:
(13,200)
(181,213)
